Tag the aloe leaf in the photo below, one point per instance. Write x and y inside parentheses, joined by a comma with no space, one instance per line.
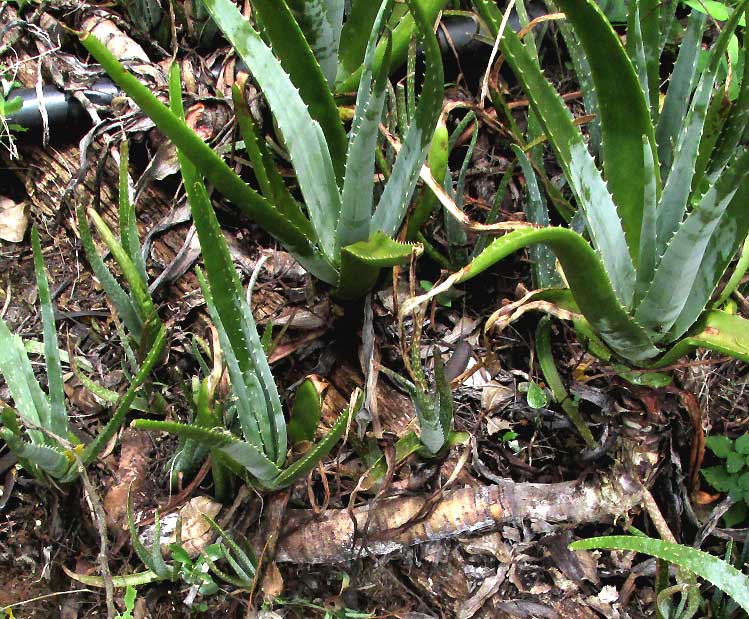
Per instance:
(624,110)
(585,179)
(58,415)
(140,295)
(129,580)
(590,286)
(716,330)
(303,135)
(29,399)
(402,35)
(697,256)
(252,460)
(128,228)
(310,62)
(250,401)
(317,452)
(735,125)
(676,103)
(742,264)
(584,77)
(396,196)
(271,183)
(354,37)
(647,260)
(321,22)
(245,564)
(554,381)
(210,164)
(437,160)
(120,299)
(444,396)
(48,459)
(94,448)
(210,437)
(650,24)
(675,196)
(305,415)
(358,186)
(543,261)
(158,565)
(636,47)
(713,569)
(135,541)
(361,263)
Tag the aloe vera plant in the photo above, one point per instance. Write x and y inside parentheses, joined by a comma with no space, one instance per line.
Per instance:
(340,237)
(260,454)
(47,452)
(134,306)
(666,215)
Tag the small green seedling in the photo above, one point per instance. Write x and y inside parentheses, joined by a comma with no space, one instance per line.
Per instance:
(732,475)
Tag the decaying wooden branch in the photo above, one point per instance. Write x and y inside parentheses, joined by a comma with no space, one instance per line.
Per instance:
(330,539)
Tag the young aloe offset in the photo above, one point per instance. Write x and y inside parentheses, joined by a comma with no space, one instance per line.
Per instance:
(667,214)
(47,453)
(339,236)
(135,306)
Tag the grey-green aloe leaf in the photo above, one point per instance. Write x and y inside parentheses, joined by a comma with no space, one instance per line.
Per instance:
(713,569)
(210,164)
(304,136)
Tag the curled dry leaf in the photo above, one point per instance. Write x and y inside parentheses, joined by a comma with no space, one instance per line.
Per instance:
(14,220)
(196,532)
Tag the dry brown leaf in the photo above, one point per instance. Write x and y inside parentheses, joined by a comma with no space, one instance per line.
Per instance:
(13,220)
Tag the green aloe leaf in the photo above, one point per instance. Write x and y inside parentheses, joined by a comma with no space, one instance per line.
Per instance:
(579,167)
(321,22)
(309,460)
(58,415)
(121,300)
(402,35)
(543,261)
(29,399)
(697,256)
(303,135)
(719,331)
(624,110)
(396,196)
(305,415)
(128,229)
(310,57)
(358,189)
(210,164)
(675,196)
(49,459)
(249,458)
(361,263)
(94,448)
(589,284)
(647,259)
(354,36)
(138,289)
(270,180)
(713,569)
(676,103)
